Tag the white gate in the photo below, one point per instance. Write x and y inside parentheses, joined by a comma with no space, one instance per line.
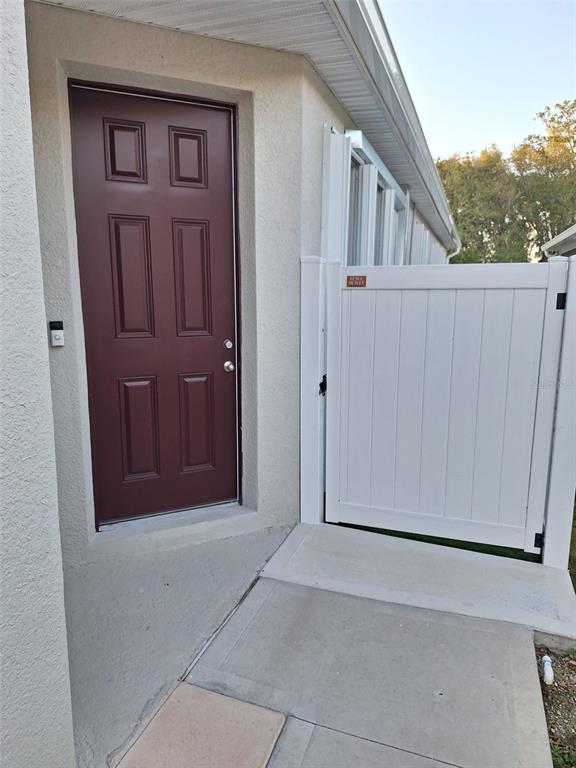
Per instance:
(441,395)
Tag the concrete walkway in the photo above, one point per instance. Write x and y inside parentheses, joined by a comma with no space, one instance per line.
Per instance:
(135,622)
(369,651)
(303,745)
(367,683)
(425,575)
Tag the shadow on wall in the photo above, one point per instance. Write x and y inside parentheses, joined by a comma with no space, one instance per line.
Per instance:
(135,624)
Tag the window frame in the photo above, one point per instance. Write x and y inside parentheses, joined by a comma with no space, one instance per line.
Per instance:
(355,210)
(382,238)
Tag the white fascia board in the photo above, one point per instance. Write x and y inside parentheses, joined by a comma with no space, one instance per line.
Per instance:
(562,243)
(362,22)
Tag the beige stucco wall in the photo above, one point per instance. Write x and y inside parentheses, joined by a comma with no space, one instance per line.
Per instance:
(35,711)
(282,106)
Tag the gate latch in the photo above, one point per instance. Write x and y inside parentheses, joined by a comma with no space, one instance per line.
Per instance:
(323,386)
(539,540)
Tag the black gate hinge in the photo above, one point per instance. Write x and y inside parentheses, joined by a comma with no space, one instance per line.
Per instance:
(560,301)
(539,540)
(323,386)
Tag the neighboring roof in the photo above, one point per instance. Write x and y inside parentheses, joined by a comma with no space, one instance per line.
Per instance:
(346,41)
(563,244)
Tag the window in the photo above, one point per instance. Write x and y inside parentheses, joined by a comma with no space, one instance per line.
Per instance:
(390,226)
(377,207)
(399,233)
(354,214)
(379,242)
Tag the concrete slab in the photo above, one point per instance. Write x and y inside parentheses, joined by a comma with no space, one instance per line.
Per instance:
(303,745)
(199,728)
(427,576)
(135,624)
(450,688)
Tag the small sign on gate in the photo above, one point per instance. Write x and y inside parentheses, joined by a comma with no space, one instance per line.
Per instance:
(356,281)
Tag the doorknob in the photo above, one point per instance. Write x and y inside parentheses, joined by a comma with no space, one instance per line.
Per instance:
(228,366)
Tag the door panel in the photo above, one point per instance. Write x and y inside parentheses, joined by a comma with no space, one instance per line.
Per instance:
(197,418)
(434,395)
(192,275)
(154,208)
(131,275)
(139,415)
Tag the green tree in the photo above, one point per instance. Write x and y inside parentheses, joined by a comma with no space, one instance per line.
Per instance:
(545,168)
(484,201)
(506,208)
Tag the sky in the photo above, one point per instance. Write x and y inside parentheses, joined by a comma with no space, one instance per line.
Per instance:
(479,70)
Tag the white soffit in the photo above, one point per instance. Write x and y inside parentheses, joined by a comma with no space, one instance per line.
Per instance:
(347,43)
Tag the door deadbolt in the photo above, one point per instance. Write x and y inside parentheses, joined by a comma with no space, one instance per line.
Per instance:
(228,366)
(227,344)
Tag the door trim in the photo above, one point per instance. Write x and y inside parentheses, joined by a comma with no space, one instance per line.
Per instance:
(231,108)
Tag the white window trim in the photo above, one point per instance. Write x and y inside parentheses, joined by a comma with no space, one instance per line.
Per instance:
(374,174)
(335,195)
(363,147)
(409,226)
(389,227)
(368,182)
(361,201)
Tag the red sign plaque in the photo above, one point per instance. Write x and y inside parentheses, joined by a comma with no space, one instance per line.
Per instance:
(356,281)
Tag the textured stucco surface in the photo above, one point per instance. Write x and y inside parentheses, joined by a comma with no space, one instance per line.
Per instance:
(130,635)
(282,106)
(35,712)
(136,623)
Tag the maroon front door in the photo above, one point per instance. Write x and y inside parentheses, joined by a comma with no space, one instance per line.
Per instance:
(155,221)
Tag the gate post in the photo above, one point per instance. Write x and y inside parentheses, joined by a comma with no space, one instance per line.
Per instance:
(312,404)
(562,480)
(334,237)
(547,385)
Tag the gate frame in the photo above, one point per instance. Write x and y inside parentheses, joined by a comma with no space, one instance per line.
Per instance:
(551,348)
(553,469)
(562,469)
(553,462)
(313,329)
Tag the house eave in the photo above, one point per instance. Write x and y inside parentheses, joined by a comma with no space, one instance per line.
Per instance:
(347,43)
(374,55)
(563,244)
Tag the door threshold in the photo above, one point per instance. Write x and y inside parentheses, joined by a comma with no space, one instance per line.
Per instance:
(172,519)
(181,529)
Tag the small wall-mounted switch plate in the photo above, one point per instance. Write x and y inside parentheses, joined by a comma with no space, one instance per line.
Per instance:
(56,333)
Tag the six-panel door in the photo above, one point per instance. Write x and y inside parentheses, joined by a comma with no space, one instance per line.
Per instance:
(154,211)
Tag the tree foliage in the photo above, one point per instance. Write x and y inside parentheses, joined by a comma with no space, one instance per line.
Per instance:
(506,208)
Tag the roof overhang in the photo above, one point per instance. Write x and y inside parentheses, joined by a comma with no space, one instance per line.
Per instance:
(346,41)
(563,244)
